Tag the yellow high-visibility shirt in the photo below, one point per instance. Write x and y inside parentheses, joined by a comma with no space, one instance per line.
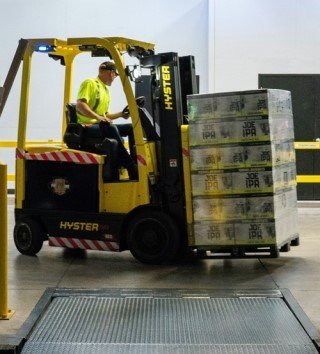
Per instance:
(97,96)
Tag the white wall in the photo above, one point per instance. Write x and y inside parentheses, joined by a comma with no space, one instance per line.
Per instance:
(233,41)
(248,37)
(173,25)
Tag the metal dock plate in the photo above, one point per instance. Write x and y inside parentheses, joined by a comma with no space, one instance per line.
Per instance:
(168,321)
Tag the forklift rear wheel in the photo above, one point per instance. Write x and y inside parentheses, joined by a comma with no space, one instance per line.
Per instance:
(153,237)
(28,236)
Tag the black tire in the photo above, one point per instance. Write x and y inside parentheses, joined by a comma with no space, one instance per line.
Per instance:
(28,236)
(153,237)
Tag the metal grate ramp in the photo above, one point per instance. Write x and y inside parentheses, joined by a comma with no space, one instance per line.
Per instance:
(168,324)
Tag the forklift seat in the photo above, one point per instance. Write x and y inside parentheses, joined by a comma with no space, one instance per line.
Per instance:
(74,134)
(76,138)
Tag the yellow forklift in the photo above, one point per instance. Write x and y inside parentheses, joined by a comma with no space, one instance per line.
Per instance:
(75,196)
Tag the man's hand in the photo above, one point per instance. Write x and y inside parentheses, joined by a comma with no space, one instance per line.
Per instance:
(126,114)
(105,119)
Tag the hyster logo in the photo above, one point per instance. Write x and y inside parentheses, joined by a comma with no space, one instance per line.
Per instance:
(78,226)
(167,90)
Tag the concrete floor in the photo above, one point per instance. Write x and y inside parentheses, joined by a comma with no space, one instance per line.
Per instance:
(297,270)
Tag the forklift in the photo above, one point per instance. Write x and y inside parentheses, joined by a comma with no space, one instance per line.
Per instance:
(74,195)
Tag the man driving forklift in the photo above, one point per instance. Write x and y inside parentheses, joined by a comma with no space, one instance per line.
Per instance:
(92,106)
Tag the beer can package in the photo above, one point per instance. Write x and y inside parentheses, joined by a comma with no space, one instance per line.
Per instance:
(281,128)
(258,155)
(271,206)
(246,155)
(209,233)
(240,130)
(254,103)
(231,156)
(283,152)
(257,180)
(269,154)
(227,131)
(210,208)
(227,105)
(215,132)
(267,231)
(253,232)
(200,107)
(284,176)
(279,102)
(253,129)
(211,182)
(285,201)
(241,103)
(243,181)
(203,133)
(266,102)
(260,206)
(204,158)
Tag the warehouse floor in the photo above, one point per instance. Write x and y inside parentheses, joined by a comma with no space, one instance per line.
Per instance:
(297,270)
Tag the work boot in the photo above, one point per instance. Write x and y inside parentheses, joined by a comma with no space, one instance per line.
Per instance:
(133,172)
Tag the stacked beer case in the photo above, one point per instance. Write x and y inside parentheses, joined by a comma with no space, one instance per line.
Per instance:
(243,172)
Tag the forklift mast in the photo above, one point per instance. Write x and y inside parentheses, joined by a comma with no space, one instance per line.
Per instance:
(165,86)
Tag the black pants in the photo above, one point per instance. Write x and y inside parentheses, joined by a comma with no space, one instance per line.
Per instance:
(114,131)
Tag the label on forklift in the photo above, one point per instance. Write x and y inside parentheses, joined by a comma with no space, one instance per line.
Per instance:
(79,229)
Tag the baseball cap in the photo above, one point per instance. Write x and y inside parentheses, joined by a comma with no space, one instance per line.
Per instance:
(108,65)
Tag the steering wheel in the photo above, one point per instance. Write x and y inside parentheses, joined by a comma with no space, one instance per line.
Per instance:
(140,103)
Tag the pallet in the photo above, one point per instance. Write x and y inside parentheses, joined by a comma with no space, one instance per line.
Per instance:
(248,251)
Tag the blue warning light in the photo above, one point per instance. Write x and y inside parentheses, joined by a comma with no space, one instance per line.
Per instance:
(44,48)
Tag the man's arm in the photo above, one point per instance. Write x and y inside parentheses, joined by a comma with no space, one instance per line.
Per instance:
(113,116)
(83,108)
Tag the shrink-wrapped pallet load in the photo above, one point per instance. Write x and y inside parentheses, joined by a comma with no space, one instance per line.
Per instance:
(243,171)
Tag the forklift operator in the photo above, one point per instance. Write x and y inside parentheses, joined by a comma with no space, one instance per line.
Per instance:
(93,111)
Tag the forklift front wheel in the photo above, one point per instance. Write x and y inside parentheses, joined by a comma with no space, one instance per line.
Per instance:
(153,237)
(28,236)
